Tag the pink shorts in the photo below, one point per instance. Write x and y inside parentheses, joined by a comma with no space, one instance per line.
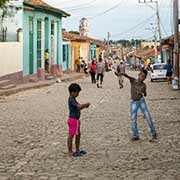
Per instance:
(74,126)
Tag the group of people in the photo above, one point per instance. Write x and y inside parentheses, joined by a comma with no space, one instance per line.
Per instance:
(138,92)
(81,64)
(97,68)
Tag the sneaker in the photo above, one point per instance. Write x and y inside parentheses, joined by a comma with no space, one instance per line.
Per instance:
(134,139)
(97,85)
(82,152)
(76,154)
(154,136)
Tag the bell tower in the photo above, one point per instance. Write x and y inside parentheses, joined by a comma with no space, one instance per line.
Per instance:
(84,27)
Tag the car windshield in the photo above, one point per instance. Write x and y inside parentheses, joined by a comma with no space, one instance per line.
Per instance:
(159,67)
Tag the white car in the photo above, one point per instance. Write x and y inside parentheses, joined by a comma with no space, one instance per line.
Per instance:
(158,71)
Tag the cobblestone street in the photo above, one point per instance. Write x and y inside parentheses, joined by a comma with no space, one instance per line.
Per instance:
(33,134)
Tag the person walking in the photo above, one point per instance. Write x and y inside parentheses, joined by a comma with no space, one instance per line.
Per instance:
(100,69)
(138,91)
(85,66)
(169,72)
(74,120)
(120,69)
(93,72)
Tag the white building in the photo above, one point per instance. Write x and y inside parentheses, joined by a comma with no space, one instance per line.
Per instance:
(11,44)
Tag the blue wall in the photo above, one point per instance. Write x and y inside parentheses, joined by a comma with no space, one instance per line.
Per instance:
(42,16)
(66,57)
(92,51)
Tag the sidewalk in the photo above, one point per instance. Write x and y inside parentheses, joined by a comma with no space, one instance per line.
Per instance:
(34,85)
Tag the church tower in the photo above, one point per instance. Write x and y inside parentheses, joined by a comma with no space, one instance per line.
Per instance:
(84,27)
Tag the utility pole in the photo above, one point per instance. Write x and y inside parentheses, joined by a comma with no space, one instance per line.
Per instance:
(135,54)
(155,39)
(122,53)
(176,42)
(154,30)
(158,20)
(108,37)
(157,13)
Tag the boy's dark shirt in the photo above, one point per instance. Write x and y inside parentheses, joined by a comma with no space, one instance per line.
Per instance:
(138,89)
(74,112)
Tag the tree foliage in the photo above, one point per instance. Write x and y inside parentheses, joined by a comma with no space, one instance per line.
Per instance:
(3,2)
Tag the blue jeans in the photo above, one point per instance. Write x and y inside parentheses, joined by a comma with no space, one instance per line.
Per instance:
(135,105)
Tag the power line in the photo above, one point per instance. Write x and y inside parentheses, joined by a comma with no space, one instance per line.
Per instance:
(67,1)
(165,16)
(152,34)
(132,28)
(80,6)
(134,31)
(108,10)
(165,32)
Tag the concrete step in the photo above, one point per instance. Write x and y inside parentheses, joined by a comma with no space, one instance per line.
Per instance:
(33,79)
(49,77)
(10,86)
(4,83)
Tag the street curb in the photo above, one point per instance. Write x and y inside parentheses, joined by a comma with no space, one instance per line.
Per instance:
(20,89)
(38,86)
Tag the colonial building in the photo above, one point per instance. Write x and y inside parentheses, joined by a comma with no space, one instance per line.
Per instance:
(42,30)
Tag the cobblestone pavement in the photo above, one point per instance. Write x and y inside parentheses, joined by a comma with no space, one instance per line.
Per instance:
(33,133)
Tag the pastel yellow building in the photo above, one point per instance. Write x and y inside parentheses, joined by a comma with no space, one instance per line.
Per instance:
(83,48)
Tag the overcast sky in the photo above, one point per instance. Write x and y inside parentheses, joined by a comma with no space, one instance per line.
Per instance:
(124,19)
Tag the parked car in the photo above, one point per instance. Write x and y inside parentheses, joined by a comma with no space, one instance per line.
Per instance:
(158,71)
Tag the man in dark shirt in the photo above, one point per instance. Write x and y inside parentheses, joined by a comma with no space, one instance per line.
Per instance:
(120,69)
(138,91)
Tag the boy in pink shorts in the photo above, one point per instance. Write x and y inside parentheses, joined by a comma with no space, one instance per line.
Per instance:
(73,120)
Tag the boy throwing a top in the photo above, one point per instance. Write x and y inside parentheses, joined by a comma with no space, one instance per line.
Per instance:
(138,92)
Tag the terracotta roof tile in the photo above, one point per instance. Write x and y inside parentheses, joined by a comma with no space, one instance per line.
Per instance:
(169,40)
(77,37)
(38,3)
(143,53)
(43,4)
